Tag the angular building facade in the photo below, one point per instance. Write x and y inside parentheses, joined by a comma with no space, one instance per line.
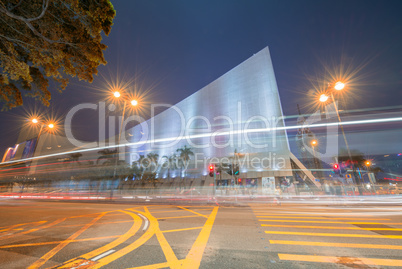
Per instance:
(235,121)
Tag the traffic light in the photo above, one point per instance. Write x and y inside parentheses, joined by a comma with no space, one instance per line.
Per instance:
(239,180)
(236,170)
(233,169)
(211,170)
(336,168)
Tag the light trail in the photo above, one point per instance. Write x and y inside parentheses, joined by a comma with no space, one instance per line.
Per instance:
(216,134)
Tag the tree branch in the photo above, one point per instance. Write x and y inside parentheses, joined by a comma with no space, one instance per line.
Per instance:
(17,5)
(45,5)
(30,26)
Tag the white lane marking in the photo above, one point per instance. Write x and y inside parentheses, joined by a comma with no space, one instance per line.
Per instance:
(146,222)
(103,255)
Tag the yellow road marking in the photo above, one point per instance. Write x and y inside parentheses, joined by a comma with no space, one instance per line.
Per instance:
(155,266)
(121,239)
(302,214)
(318,221)
(179,230)
(332,227)
(282,217)
(337,235)
(193,258)
(3,229)
(340,260)
(179,217)
(91,214)
(60,246)
(326,244)
(153,225)
(166,248)
(133,230)
(167,211)
(57,242)
(35,229)
(192,211)
(98,223)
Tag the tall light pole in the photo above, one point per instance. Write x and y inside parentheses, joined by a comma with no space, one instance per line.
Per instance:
(324,97)
(49,125)
(126,101)
(338,86)
(314,143)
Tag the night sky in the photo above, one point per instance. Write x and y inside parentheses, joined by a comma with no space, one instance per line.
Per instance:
(174,48)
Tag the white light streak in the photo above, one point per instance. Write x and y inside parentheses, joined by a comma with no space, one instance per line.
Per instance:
(169,139)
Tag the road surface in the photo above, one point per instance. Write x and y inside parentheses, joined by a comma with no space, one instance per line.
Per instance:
(261,235)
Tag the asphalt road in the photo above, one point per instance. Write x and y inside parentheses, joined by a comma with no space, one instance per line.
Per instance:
(261,235)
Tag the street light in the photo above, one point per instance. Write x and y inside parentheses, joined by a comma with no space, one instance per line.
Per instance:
(133,102)
(323,97)
(314,142)
(50,125)
(338,86)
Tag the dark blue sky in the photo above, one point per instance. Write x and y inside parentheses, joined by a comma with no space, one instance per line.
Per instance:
(178,47)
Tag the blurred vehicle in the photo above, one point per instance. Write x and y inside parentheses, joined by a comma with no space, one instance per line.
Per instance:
(382,189)
(395,190)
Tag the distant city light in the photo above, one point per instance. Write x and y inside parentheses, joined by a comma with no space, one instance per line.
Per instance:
(339,86)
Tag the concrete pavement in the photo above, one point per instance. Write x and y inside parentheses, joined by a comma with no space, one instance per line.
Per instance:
(257,235)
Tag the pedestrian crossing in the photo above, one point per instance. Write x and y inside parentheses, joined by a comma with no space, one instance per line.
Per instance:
(338,236)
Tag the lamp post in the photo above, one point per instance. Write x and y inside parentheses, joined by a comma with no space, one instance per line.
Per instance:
(49,125)
(126,101)
(313,144)
(338,86)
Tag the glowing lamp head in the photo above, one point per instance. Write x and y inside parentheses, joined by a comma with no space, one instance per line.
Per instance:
(34,120)
(314,143)
(323,97)
(116,94)
(339,86)
(134,102)
(51,126)
(368,163)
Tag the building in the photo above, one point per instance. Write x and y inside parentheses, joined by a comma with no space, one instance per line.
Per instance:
(235,121)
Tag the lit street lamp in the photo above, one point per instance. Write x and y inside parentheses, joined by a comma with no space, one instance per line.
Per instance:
(49,125)
(132,102)
(323,97)
(314,143)
(338,86)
